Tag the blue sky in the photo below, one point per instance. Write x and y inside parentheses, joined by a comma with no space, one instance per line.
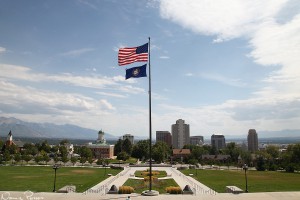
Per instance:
(223,66)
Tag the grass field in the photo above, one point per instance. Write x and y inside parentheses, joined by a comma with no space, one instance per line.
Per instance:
(41,179)
(140,186)
(258,181)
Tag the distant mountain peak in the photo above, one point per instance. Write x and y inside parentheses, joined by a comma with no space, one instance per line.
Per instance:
(20,128)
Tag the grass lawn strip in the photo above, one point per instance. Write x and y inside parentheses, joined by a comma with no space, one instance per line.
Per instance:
(258,181)
(41,179)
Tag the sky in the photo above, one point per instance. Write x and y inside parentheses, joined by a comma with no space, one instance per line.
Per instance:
(223,66)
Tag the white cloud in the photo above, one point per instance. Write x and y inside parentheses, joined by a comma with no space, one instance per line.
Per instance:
(98,82)
(273,42)
(222,79)
(279,44)
(272,30)
(2,50)
(77,52)
(189,74)
(224,18)
(107,105)
(89,4)
(34,100)
(112,94)
(164,57)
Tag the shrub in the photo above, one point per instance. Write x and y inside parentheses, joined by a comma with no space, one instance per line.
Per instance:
(148,173)
(125,190)
(116,167)
(173,190)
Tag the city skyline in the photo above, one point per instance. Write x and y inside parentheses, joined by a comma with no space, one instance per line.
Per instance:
(224,67)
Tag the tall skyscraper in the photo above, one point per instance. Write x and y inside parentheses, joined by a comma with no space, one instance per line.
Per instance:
(252,140)
(164,136)
(218,141)
(180,134)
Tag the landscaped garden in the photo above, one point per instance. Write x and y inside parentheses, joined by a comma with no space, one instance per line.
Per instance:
(160,185)
(258,181)
(41,179)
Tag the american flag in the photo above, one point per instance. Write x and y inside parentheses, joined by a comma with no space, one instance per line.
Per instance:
(130,55)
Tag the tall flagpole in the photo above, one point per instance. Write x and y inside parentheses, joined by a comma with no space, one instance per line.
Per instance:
(150,121)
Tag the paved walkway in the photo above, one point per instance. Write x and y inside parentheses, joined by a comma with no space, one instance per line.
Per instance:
(182,180)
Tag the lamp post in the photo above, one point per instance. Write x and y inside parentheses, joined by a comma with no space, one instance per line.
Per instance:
(55,167)
(245,167)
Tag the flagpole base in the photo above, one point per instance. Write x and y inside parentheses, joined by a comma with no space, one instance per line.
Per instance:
(150,193)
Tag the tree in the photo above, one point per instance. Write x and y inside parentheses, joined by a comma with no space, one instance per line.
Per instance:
(82,160)
(30,149)
(6,156)
(161,151)
(55,158)
(17,157)
(100,161)
(123,156)
(85,152)
(291,158)
(64,141)
(26,157)
(1,144)
(12,149)
(37,159)
(90,160)
(64,159)
(46,158)
(63,151)
(45,147)
(118,147)
(127,146)
(141,150)
(74,160)
(260,166)
(232,150)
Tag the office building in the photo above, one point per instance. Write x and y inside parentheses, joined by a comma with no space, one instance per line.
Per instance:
(218,141)
(197,140)
(129,137)
(164,136)
(180,134)
(252,140)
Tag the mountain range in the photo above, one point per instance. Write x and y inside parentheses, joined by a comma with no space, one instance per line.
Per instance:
(20,128)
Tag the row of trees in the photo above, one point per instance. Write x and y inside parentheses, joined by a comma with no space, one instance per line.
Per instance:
(124,149)
(43,152)
(269,159)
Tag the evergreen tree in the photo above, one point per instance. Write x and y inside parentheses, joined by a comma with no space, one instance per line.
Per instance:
(127,146)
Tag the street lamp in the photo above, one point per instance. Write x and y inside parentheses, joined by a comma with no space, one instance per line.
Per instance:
(55,167)
(245,167)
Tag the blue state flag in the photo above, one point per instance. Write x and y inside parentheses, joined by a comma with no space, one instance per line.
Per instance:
(136,72)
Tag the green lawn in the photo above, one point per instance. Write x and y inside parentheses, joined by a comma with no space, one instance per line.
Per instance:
(140,186)
(258,181)
(41,179)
